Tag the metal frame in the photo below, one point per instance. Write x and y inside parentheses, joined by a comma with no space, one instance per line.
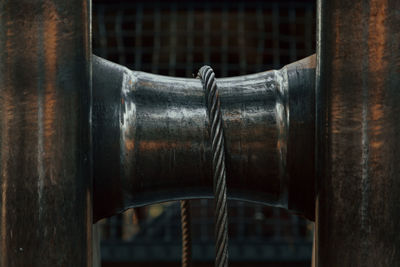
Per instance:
(45,116)
(358,127)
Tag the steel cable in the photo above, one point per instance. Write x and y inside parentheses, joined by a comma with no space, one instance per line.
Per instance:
(186,233)
(207,76)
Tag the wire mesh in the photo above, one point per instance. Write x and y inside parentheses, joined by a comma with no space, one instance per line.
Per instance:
(177,38)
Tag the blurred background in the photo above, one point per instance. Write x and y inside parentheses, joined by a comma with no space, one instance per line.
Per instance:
(176,38)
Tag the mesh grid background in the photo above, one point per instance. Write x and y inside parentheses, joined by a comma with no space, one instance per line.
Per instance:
(176,38)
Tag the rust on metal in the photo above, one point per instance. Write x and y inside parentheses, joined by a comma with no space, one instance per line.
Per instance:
(358,158)
(45,180)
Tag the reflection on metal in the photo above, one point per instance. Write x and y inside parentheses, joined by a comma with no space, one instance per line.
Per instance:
(45,187)
(151,142)
(358,78)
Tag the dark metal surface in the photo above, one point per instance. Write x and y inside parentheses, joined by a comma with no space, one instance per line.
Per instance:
(151,142)
(358,79)
(217,139)
(45,212)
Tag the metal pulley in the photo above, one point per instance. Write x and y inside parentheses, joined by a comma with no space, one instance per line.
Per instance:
(151,138)
(150,116)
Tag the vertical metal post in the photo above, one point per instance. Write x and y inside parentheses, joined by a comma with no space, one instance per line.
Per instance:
(358,126)
(45,99)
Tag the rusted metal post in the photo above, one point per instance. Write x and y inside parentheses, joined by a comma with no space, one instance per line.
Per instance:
(358,126)
(45,181)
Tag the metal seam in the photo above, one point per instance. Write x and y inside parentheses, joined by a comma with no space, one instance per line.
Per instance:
(282,123)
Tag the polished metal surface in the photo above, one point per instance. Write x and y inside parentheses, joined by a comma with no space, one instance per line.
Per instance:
(358,160)
(45,186)
(151,140)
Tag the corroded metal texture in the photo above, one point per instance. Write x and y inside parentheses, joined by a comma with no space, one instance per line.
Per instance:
(45,211)
(151,141)
(358,96)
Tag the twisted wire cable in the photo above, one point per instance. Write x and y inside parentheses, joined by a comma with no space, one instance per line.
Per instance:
(207,77)
(186,233)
